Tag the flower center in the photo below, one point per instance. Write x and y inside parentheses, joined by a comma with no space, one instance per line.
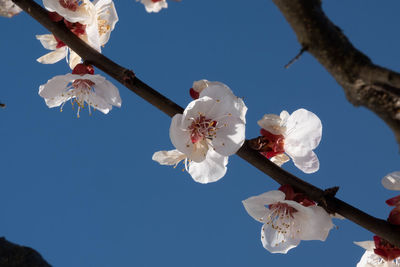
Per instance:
(281,217)
(69,4)
(273,144)
(103,26)
(202,128)
(385,249)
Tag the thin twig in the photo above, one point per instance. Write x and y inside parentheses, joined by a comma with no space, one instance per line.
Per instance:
(302,50)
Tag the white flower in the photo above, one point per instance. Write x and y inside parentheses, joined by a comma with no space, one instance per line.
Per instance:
(392,181)
(209,130)
(71,10)
(8,8)
(59,52)
(103,20)
(370,259)
(296,135)
(286,222)
(94,90)
(154,5)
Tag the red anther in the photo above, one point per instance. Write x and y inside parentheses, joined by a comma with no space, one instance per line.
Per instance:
(75,27)
(82,69)
(194,94)
(54,16)
(385,249)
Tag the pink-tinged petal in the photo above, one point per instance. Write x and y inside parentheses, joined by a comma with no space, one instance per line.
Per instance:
(53,57)
(256,206)
(303,132)
(107,91)
(81,14)
(211,169)
(272,123)
(316,227)
(48,41)
(171,157)
(230,136)
(392,181)
(308,163)
(275,242)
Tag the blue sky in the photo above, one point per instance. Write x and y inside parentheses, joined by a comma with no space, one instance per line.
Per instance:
(85,192)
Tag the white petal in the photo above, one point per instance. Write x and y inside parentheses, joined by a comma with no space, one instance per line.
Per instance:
(98,103)
(367,245)
(56,86)
(275,242)
(171,157)
(272,123)
(370,259)
(194,109)
(280,159)
(107,15)
(392,181)
(200,85)
(48,41)
(256,206)
(8,8)
(230,137)
(317,226)
(154,7)
(108,91)
(74,59)
(53,57)
(303,132)
(211,169)
(309,163)
(284,117)
(180,137)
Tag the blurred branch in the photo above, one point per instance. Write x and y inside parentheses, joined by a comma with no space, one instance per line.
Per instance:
(2,105)
(12,255)
(364,83)
(124,76)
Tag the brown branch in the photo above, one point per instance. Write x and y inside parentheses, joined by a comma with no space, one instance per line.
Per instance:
(127,78)
(12,255)
(364,83)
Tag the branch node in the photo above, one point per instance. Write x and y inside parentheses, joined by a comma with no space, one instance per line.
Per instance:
(128,77)
(302,50)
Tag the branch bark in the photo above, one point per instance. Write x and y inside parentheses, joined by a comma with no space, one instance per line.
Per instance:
(364,83)
(12,255)
(124,76)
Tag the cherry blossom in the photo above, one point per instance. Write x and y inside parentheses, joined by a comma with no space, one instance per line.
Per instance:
(296,135)
(101,20)
(81,87)
(8,8)
(288,218)
(154,5)
(379,253)
(209,130)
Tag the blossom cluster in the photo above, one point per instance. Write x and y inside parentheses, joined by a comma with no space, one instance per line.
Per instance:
(210,129)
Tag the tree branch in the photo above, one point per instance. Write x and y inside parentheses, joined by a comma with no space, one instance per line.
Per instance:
(379,227)
(12,255)
(364,83)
